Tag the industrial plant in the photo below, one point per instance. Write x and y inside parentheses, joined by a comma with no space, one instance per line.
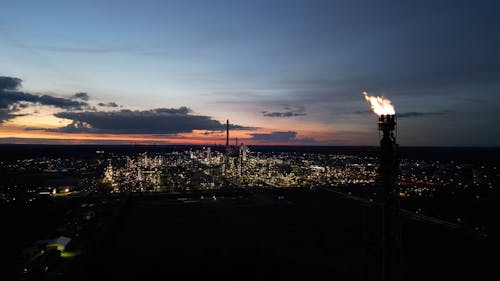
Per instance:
(204,204)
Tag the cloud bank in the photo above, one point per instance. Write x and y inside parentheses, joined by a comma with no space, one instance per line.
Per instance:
(280,137)
(289,112)
(154,121)
(109,104)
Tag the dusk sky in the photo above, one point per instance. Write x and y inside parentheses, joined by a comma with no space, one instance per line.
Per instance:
(282,72)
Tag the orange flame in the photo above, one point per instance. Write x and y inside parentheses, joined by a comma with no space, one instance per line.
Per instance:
(380,105)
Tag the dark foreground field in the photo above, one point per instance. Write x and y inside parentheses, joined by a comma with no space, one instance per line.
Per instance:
(271,234)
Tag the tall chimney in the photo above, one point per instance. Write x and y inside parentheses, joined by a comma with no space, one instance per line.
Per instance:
(227,133)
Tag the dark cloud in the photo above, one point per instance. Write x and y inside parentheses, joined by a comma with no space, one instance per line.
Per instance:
(109,104)
(58,102)
(12,100)
(290,112)
(208,133)
(419,114)
(9,83)
(285,114)
(285,137)
(81,96)
(8,98)
(154,121)
(183,110)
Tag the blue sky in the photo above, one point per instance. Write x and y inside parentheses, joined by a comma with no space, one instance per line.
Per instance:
(237,59)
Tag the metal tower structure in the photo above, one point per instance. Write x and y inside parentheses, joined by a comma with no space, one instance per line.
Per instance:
(391,228)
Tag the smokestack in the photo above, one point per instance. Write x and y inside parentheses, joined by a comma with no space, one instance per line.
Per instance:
(236,141)
(227,133)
